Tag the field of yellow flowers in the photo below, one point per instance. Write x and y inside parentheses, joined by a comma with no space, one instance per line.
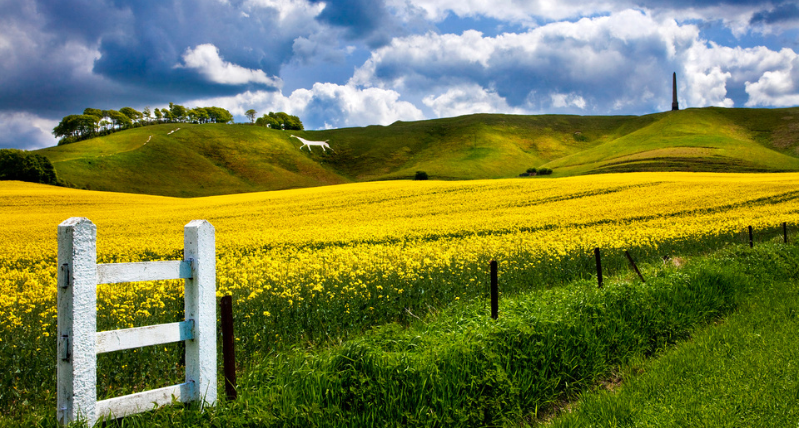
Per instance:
(313,265)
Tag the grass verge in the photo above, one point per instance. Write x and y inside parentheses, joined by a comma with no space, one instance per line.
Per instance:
(460,368)
(740,372)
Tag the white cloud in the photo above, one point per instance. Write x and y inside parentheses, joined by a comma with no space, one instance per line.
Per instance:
(468,99)
(505,10)
(779,88)
(288,10)
(616,63)
(567,100)
(736,16)
(325,104)
(206,60)
(26,131)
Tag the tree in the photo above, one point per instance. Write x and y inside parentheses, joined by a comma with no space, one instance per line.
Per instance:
(158,115)
(219,115)
(94,112)
(420,175)
(268,122)
(120,120)
(251,115)
(178,112)
(21,165)
(202,114)
(76,126)
(286,121)
(146,113)
(132,114)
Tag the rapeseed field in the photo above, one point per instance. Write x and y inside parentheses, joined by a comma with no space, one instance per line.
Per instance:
(314,265)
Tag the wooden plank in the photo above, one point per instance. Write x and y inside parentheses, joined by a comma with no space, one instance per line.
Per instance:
(228,347)
(494,289)
(117,340)
(119,407)
(143,271)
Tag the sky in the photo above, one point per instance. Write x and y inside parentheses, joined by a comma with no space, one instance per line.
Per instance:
(348,63)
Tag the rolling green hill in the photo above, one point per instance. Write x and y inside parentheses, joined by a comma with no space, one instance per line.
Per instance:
(199,160)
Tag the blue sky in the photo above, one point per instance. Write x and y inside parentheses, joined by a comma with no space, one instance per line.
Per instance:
(364,62)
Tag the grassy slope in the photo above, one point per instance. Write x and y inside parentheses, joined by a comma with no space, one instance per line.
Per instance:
(466,147)
(195,160)
(202,160)
(687,140)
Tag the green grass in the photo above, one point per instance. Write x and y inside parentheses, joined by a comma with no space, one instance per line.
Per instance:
(196,160)
(201,160)
(457,367)
(739,372)
(687,140)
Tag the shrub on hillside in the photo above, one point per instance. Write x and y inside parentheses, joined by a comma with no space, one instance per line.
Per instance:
(544,171)
(420,175)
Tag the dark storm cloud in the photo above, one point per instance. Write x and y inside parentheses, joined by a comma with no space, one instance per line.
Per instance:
(367,20)
(67,55)
(782,13)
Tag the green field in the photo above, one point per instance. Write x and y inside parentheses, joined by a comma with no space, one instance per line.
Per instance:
(211,159)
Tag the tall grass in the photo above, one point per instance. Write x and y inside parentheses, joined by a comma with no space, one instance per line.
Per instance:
(737,373)
(457,367)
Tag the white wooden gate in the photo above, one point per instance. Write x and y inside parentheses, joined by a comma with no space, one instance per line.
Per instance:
(78,339)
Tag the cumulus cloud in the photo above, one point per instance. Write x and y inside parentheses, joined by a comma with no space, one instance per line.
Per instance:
(620,63)
(740,16)
(468,99)
(779,88)
(288,10)
(325,105)
(591,62)
(205,59)
(567,100)
(26,131)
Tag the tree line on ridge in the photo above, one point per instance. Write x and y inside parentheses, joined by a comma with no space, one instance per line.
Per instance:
(95,122)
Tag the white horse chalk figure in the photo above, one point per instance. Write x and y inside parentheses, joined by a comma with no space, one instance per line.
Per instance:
(306,143)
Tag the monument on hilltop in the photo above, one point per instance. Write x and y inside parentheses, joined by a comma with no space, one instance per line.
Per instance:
(674,104)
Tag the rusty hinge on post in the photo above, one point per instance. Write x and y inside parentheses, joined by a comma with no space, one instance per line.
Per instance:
(65,354)
(65,269)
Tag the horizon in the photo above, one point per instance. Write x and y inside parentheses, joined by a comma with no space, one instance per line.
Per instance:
(355,63)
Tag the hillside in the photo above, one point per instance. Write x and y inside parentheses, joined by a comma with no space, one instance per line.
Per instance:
(199,160)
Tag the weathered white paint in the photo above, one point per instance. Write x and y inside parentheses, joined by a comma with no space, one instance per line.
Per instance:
(118,407)
(78,339)
(200,305)
(77,320)
(129,338)
(306,143)
(143,271)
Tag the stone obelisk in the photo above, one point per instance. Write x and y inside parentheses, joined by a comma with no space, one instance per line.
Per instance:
(674,104)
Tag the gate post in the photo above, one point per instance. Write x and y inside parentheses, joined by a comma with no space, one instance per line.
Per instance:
(200,304)
(76,367)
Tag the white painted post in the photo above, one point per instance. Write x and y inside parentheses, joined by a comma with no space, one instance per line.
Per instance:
(200,303)
(77,321)
(78,339)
